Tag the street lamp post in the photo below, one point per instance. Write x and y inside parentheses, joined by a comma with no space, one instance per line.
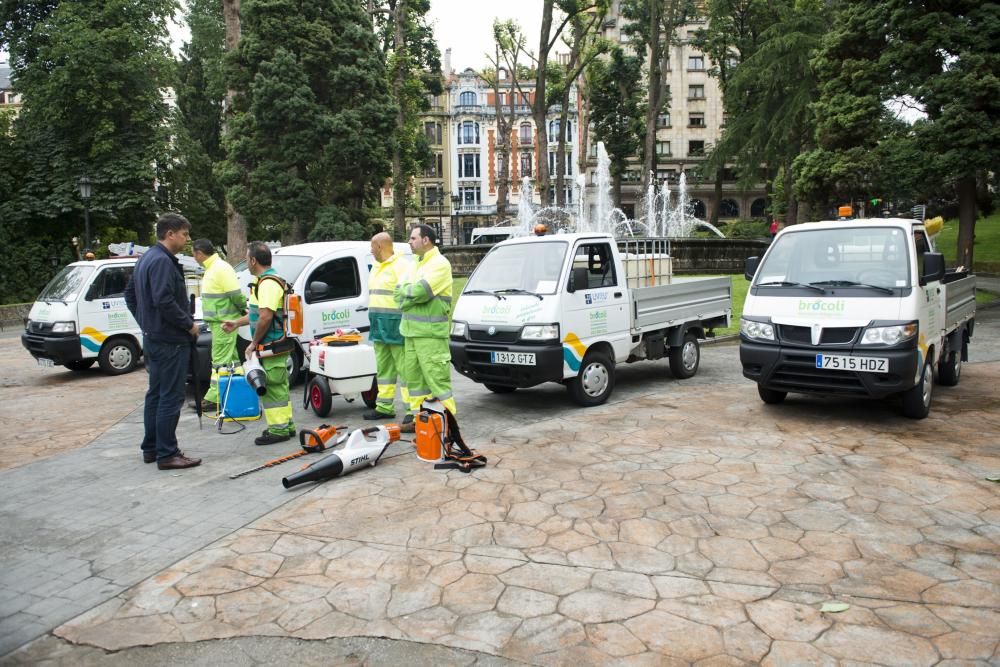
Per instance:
(85,196)
(456,230)
(440,196)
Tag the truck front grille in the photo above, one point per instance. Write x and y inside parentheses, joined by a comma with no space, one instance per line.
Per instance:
(798,372)
(830,335)
(500,334)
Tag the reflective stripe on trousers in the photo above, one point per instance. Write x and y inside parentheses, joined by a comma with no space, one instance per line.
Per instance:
(427,369)
(389,365)
(223,352)
(277,404)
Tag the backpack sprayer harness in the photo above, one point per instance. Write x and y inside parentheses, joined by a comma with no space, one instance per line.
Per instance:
(438,439)
(285,344)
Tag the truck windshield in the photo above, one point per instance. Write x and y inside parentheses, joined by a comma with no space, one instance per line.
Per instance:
(289,266)
(67,284)
(534,267)
(851,257)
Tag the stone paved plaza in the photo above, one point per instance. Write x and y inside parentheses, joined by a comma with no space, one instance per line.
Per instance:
(684,522)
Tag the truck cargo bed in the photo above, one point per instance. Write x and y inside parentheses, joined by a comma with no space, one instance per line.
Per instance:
(681,301)
(960,297)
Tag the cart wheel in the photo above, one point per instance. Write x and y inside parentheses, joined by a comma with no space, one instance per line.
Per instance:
(369,396)
(319,396)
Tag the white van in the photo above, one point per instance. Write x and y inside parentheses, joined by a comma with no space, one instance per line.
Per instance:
(81,318)
(489,235)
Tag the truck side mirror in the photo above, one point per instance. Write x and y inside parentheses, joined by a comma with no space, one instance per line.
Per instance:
(318,290)
(751,267)
(571,285)
(933,267)
(91,292)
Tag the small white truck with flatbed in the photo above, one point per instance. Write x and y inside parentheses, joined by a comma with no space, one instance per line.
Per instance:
(568,308)
(861,308)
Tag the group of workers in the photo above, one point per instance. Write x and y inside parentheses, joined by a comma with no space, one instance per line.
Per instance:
(409,313)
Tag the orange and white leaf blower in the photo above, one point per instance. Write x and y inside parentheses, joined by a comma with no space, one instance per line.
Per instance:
(364,448)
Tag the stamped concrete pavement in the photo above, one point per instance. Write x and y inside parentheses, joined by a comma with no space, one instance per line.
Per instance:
(684,522)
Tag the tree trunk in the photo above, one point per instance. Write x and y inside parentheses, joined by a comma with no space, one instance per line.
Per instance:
(718,198)
(399,180)
(616,189)
(561,152)
(654,88)
(236,224)
(540,110)
(966,220)
(792,204)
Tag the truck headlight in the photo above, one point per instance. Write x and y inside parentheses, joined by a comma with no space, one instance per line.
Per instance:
(64,327)
(759,330)
(540,332)
(889,335)
(458,329)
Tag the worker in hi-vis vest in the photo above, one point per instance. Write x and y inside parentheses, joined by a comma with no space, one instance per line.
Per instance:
(424,296)
(384,316)
(269,342)
(221,300)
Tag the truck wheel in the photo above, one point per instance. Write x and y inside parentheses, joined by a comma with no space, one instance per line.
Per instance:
(917,399)
(320,399)
(118,356)
(371,395)
(771,396)
(500,389)
(685,358)
(950,370)
(294,365)
(80,364)
(595,381)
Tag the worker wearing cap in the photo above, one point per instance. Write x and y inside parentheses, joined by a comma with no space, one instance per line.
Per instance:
(424,297)
(384,317)
(221,300)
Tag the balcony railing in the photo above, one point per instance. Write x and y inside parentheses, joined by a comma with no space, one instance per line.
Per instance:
(475,209)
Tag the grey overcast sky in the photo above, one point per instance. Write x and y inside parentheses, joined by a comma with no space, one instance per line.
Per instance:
(464,26)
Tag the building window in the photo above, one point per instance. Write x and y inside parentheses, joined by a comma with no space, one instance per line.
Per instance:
(525,164)
(696,119)
(525,133)
(696,92)
(433,132)
(728,208)
(468,196)
(468,165)
(503,98)
(431,195)
(468,133)
(669,175)
(554,130)
(663,120)
(436,168)
(593,150)
(502,74)
(758,209)
(696,148)
(663,148)
(552,163)
(467,99)
(696,62)
(698,209)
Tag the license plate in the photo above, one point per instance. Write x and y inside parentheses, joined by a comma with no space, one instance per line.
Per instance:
(513,358)
(46,363)
(842,362)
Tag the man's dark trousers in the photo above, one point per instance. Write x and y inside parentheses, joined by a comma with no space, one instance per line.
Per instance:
(167,364)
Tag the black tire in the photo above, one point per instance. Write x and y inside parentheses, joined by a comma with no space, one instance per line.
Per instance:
(950,369)
(595,381)
(370,396)
(917,399)
(80,364)
(118,356)
(771,396)
(294,366)
(320,399)
(500,389)
(684,359)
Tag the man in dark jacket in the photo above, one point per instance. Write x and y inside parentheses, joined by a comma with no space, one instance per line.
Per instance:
(158,299)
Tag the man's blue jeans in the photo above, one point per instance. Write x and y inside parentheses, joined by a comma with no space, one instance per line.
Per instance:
(167,364)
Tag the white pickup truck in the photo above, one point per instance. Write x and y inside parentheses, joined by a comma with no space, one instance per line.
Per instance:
(567,308)
(856,308)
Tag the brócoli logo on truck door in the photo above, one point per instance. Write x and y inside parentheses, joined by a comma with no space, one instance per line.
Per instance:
(337,316)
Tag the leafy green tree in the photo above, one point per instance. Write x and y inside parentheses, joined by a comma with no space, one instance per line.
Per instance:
(313,119)
(194,188)
(90,76)
(614,88)
(413,64)
(945,59)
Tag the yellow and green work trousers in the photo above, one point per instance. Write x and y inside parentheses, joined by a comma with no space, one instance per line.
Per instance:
(389,366)
(427,371)
(224,352)
(277,404)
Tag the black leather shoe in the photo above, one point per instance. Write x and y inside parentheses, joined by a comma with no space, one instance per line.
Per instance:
(408,427)
(372,415)
(149,457)
(178,462)
(268,438)
(408,419)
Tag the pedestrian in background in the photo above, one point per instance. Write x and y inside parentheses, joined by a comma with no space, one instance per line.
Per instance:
(424,297)
(157,298)
(384,317)
(774,228)
(268,342)
(221,300)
